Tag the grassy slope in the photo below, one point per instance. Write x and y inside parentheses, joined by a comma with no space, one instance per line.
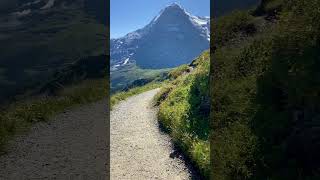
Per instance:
(184,110)
(123,95)
(265,93)
(21,115)
(132,80)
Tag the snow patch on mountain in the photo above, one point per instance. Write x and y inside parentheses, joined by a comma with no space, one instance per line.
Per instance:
(49,4)
(197,20)
(126,61)
(22,13)
(202,23)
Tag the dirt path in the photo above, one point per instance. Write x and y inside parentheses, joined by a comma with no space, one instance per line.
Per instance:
(139,150)
(73,145)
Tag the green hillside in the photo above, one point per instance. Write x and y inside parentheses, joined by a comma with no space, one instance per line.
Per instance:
(129,75)
(266,92)
(184,110)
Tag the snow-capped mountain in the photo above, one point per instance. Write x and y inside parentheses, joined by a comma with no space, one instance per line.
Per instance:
(172,38)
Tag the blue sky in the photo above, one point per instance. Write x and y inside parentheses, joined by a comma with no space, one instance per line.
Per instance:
(129,15)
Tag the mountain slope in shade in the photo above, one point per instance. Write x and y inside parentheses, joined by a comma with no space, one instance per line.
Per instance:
(172,38)
(40,37)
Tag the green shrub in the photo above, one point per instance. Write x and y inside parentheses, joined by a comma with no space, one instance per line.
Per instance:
(178,71)
(163,94)
(231,26)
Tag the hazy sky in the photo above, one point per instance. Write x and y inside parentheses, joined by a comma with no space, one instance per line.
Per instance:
(129,15)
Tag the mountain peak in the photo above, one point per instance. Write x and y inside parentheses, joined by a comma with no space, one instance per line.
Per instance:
(172,10)
(175,5)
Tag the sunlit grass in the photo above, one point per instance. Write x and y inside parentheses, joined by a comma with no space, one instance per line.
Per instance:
(181,114)
(123,95)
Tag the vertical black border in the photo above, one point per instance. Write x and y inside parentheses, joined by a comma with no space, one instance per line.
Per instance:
(108,95)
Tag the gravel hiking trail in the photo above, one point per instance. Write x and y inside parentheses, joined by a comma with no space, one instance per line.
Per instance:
(71,145)
(139,149)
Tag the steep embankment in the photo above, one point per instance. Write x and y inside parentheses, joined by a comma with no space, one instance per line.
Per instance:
(184,110)
(139,150)
(71,145)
